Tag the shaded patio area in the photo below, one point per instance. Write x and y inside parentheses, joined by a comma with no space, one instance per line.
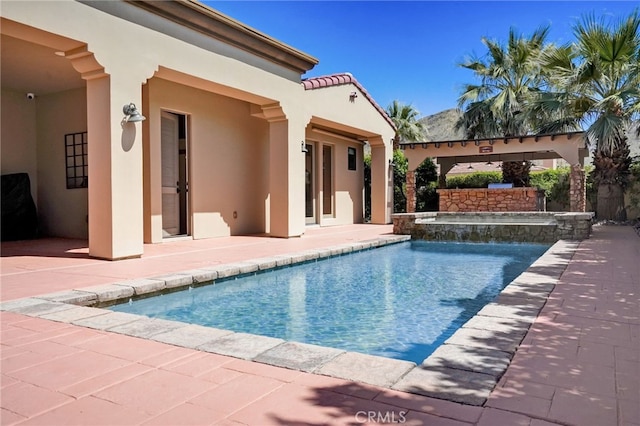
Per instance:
(577,365)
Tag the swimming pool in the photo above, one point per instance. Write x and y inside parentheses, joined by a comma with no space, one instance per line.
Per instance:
(400,301)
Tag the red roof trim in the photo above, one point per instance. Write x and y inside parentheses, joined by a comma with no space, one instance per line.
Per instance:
(340,79)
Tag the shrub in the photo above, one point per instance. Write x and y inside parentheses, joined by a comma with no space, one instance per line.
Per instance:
(474,180)
(633,190)
(555,184)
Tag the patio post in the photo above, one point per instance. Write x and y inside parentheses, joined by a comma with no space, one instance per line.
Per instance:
(411,191)
(577,189)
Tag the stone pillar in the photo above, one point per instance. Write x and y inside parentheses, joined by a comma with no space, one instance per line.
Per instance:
(577,189)
(411,191)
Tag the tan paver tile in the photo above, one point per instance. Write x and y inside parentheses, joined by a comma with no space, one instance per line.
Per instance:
(102,381)
(515,401)
(236,394)
(433,406)
(265,370)
(65,371)
(28,400)
(9,418)
(220,375)
(629,410)
(169,356)
(78,336)
(155,391)
(296,405)
(579,408)
(346,387)
(493,417)
(125,347)
(95,411)
(596,353)
(628,383)
(23,361)
(186,414)
(197,363)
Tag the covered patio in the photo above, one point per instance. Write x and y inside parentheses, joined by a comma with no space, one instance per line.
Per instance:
(571,147)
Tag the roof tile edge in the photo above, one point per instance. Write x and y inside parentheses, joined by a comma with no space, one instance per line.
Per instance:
(339,79)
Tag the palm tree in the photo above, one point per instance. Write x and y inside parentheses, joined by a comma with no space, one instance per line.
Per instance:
(594,83)
(409,128)
(496,107)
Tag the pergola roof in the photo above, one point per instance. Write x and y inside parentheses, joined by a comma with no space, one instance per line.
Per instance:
(570,146)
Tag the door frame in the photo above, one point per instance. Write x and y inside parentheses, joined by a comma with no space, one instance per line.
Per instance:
(184,161)
(311,146)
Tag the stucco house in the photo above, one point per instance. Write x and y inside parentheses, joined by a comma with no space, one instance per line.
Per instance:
(233,140)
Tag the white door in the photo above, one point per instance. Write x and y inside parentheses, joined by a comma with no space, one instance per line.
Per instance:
(170,175)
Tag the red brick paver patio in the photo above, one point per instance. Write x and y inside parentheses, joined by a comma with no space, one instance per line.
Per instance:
(578,365)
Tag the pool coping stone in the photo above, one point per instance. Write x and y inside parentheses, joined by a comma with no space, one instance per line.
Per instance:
(298,356)
(456,371)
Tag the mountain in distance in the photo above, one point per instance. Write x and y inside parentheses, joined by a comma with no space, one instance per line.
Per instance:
(442,126)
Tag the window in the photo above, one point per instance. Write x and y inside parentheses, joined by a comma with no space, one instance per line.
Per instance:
(75,145)
(351,159)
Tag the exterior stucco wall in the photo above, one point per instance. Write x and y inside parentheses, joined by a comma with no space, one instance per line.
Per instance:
(62,212)
(18,137)
(335,104)
(348,185)
(227,160)
(334,107)
(33,142)
(244,158)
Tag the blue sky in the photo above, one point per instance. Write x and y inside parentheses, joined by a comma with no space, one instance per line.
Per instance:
(409,50)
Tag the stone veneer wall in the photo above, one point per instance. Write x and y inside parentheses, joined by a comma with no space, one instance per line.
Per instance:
(491,200)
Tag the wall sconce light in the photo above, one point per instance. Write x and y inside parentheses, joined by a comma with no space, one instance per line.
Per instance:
(304,147)
(353,96)
(131,114)
(391,163)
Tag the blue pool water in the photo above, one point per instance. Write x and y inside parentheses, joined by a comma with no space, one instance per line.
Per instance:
(400,301)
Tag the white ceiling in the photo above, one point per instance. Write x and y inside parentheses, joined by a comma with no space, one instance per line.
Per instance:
(32,68)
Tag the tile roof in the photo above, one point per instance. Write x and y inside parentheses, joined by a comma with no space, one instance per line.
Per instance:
(340,79)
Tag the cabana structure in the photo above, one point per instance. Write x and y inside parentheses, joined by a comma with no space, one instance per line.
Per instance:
(138,121)
(568,146)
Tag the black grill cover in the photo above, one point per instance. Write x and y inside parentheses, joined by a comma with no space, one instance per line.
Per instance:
(19,216)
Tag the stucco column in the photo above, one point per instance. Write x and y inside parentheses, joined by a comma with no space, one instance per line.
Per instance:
(381,183)
(410,180)
(446,164)
(577,189)
(115,169)
(286,179)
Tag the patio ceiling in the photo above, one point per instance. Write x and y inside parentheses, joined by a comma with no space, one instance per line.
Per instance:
(32,68)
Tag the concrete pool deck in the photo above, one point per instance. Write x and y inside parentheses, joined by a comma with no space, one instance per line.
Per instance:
(581,351)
